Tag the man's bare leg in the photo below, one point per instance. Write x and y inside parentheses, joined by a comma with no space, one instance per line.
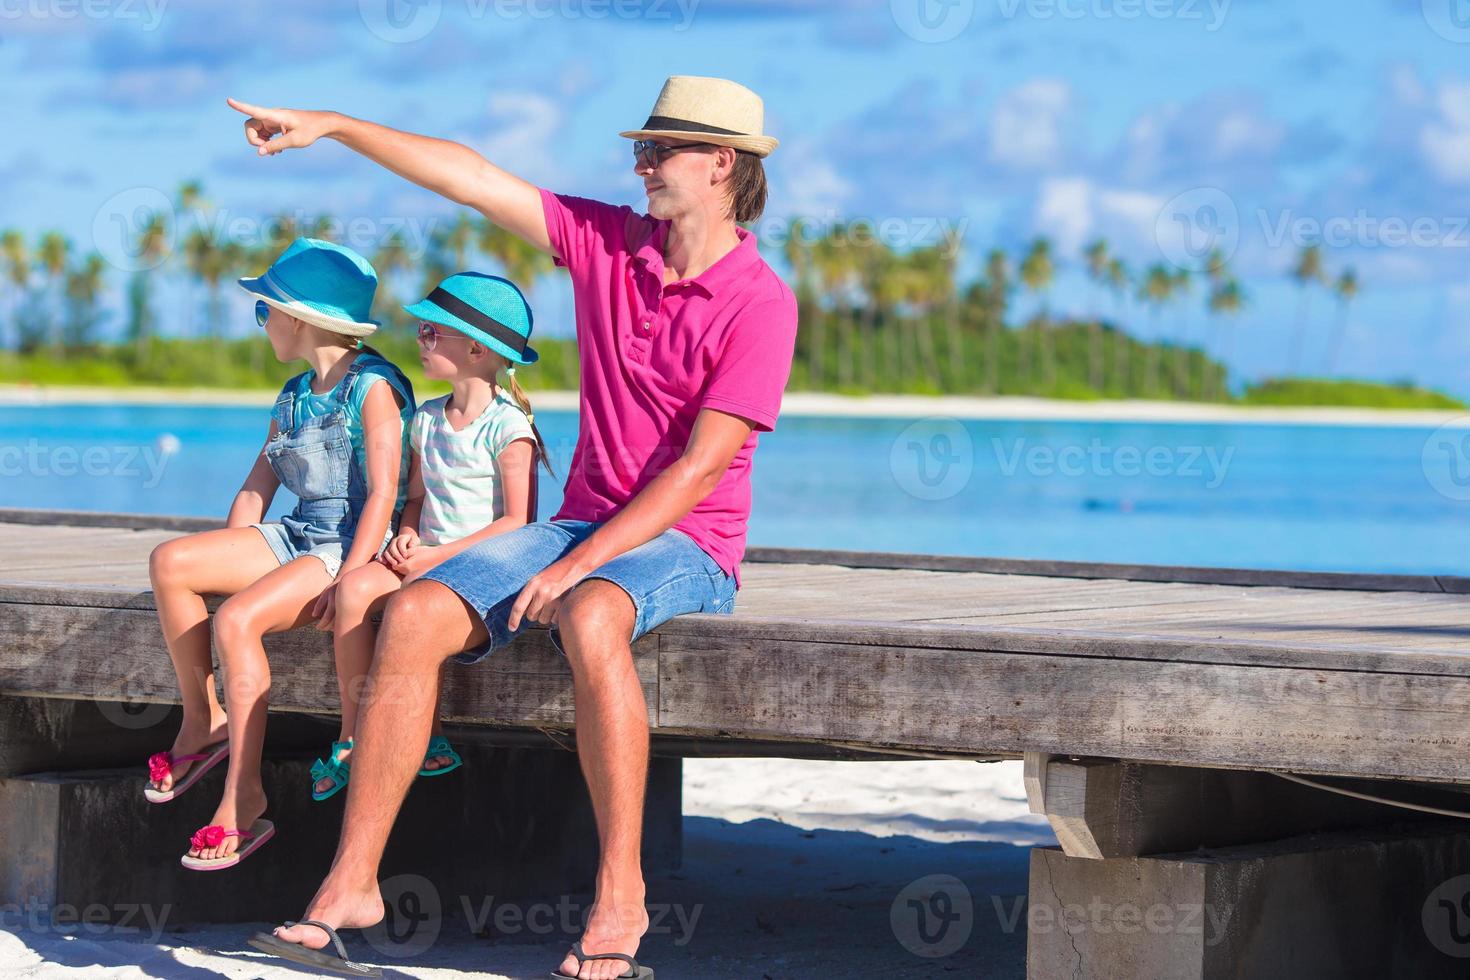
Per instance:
(596,623)
(423,624)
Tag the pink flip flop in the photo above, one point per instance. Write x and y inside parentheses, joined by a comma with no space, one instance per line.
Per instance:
(160,764)
(211,836)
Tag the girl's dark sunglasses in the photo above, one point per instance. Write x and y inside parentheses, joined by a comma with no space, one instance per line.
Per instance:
(651,154)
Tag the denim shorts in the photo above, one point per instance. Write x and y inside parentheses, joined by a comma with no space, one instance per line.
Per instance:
(290,539)
(664,577)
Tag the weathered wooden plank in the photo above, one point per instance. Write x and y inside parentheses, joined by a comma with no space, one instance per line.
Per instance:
(118,655)
(882,560)
(1200,714)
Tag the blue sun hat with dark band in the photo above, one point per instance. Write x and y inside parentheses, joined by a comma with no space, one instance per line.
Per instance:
(322,283)
(488,308)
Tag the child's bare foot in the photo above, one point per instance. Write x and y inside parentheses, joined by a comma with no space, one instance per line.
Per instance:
(236,812)
(192,739)
(344,751)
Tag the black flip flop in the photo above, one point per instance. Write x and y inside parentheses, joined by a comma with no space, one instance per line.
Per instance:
(634,971)
(314,958)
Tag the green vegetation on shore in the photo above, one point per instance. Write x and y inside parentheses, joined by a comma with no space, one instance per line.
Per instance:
(1346,393)
(874,318)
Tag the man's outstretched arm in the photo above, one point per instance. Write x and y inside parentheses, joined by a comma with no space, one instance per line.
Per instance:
(445,167)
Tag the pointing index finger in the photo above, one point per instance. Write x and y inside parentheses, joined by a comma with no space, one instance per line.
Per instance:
(245,107)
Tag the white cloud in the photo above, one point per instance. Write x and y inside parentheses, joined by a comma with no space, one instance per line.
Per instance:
(806,182)
(1445,140)
(1028,125)
(1064,211)
(1074,210)
(523,129)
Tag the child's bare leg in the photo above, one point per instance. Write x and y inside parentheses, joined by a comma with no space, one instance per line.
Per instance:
(183,570)
(361,593)
(280,601)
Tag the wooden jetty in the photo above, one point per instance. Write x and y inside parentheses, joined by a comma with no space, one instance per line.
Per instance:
(1155,708)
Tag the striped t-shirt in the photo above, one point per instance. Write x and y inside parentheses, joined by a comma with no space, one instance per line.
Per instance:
(462,486)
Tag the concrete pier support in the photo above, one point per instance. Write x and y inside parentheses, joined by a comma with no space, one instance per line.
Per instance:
(514,821)
(1369,904)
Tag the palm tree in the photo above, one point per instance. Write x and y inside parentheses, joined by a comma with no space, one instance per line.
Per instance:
(1307,272)
(1096,256)
(17,273)
(883,277)
(1227,299)
(189,201)
(1117,281)
(1155,291)
(83,286)
(832,257)
(390,260)
(52,254)
(1037,273)
(928,282)
(797,251)
(997,297)
(1346,290)
(1181,285)
(200,253)
(520,262)
(152,242)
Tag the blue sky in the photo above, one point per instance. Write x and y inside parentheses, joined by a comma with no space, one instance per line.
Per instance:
(998,120)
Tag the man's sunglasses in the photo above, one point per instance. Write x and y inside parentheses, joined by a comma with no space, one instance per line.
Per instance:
(651,154)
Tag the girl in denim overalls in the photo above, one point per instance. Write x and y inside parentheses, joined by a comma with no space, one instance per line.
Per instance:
(336,441)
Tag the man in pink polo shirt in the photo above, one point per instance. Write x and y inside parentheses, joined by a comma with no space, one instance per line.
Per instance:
(686,338)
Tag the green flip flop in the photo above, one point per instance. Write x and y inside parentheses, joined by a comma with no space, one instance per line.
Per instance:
(331,768)
(439,746)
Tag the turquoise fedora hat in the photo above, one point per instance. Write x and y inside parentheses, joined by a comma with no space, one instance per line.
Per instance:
(323,283)
(487,308)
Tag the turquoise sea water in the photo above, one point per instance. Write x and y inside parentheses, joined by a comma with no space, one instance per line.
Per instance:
(1394,499)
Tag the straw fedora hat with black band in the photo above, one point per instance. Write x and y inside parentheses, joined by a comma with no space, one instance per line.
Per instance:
(709,110)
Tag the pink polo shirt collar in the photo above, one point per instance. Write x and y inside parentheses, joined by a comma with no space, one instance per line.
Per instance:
(725,270)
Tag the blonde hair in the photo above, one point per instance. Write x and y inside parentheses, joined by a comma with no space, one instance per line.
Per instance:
(519,394)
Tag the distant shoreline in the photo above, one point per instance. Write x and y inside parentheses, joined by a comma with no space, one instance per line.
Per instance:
(802,403)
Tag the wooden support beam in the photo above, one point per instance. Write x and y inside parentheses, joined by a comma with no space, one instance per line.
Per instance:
(1105,808)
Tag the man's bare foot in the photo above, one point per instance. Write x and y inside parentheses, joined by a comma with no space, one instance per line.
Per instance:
(236,812)
(611,928)
(192,739)
(340,908)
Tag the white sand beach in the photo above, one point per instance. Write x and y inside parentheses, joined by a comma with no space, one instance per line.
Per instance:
(799,403)
(791,869)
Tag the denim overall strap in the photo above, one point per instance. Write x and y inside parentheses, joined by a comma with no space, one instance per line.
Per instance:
(315,460)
